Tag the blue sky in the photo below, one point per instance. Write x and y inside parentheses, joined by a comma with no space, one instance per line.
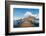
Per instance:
(19,12)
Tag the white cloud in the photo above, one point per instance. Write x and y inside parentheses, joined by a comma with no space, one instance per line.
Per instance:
(16,18)
(26,15)
(37,16)
(30,14)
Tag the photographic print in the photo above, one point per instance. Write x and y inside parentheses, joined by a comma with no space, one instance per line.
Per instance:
(24,17)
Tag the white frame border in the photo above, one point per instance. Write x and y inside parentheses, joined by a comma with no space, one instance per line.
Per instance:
(28,28)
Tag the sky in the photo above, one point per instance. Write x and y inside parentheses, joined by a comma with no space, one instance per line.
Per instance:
(19,12)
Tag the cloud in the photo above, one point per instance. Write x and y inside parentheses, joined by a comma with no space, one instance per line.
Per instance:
(30,14)
(26,15)
(37,16)
(16,18)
